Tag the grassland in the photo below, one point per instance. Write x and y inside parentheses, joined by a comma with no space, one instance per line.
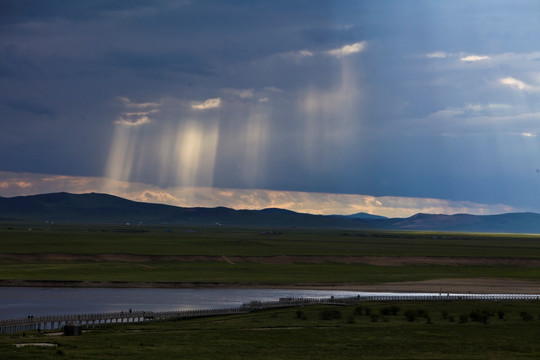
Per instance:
(258,257)
(253,242)
(282,257)
(409,330)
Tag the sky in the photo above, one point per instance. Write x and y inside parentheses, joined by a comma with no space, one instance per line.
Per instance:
(328,107)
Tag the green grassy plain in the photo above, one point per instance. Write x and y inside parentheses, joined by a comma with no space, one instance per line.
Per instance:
(301,333)
(78,241)
(294,333)
(252,242)
(251,273)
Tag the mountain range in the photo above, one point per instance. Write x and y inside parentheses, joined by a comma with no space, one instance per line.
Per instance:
(107,209)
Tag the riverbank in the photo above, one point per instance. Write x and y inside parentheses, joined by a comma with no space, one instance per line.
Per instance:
(464,285)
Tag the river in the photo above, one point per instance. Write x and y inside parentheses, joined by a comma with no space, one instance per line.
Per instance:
(19,302)
(16,302)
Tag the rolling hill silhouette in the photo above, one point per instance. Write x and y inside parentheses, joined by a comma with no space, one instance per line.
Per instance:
(107,209)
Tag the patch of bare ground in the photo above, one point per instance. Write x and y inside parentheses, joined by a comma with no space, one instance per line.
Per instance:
(463,286)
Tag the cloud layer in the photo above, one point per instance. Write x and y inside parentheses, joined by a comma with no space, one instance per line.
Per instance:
(392,100)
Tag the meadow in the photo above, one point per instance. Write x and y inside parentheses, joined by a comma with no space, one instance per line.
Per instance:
(258,256)
(369,330)
(282,257)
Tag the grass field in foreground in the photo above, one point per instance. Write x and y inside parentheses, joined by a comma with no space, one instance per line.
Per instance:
(438,330)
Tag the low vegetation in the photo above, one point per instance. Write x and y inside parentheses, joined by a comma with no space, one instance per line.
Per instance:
(441,330)
(55,252)
(375,330)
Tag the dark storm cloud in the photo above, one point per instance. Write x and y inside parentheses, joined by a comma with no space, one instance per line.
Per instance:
(13,62)
(158,63)
(16,11)
(32,107)
(366,97)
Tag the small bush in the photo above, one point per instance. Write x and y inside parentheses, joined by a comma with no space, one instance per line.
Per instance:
(422,313)
(330,314)
(385,311)
(350,320)
(463,318)
(500,314)
(374,317)
(389,310)
(479,316)
(410,315)
(300,314)
(358,310)
(526,316)
(444,314)
(367,311)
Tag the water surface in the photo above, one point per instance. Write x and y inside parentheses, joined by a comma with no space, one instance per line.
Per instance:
(24,301)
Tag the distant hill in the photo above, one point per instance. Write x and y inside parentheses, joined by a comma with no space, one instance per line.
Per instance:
(363,215)
(504,223)
(107,209)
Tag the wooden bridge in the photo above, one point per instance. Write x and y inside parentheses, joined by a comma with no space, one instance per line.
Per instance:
(57,322)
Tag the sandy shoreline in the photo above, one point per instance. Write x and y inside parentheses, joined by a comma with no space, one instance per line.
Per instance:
(467,286)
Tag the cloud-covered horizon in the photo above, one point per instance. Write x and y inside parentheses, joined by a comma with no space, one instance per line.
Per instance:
(23,184)
(394,100)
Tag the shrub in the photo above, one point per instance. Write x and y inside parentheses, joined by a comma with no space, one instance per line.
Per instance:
(500,314)
(385,311)
(300,314)
(463,318)
(526,316)
(444,314)
(410,315)
(394,309)
(389,310)
(478,316)
(422,313)
(367,311)
(330,314)
(358,310)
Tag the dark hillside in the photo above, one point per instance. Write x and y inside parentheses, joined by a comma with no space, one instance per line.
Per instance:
(108,209)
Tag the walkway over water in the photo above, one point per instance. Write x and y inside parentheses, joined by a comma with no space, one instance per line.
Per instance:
(55,322)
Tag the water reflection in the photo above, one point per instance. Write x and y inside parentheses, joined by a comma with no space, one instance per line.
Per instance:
(21,302)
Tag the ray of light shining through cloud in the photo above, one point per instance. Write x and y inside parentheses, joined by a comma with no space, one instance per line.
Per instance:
(329,107)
